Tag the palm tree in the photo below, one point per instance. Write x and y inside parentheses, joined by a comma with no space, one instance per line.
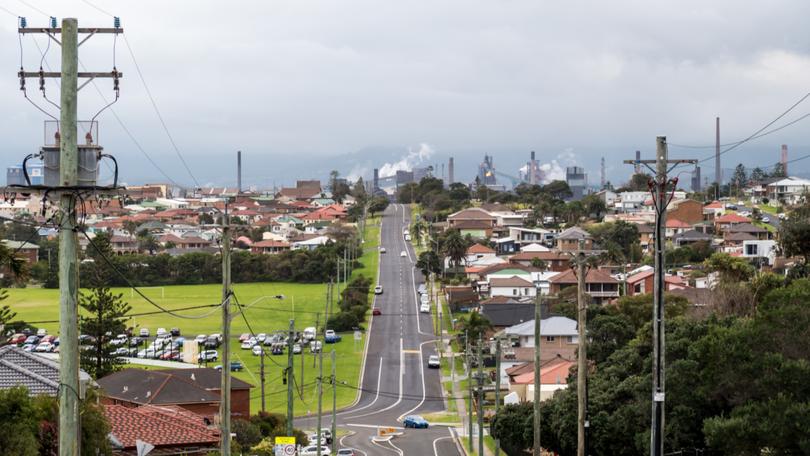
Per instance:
(455,248)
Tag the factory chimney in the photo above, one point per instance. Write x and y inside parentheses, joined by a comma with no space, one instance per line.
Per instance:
(238,172)
(637,169)
(784,158)
(376,181)
(533,170)
(450,172)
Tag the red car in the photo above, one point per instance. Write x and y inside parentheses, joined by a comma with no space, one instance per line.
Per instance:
(17,339)
(244,337)
(376,311)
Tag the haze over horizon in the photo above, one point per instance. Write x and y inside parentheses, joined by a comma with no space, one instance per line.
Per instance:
(304,87)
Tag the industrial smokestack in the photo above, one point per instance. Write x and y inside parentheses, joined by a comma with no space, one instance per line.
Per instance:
(450,172)
(637,169)
(533,170)
(238,171)
(376,181)
(602,175)
(784,158)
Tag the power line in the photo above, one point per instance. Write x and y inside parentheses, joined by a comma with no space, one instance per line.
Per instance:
(141,314)
(685,146)
(138,291)
(2,8)
(97,8)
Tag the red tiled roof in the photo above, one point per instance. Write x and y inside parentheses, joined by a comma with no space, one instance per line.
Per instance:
(160,426)
(675,223)
(732,218)
(270,243)
(513,281)
(714,205)
(545,256)
(551,374)
(593,276)
(478,248)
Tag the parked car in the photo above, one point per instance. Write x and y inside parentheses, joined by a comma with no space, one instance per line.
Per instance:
(33,340)
(44,347)
(766,219)
(415,421)
(200,339)
(407,237)
(261,337)
(174,332)
(236,366)
(313,437)
(161,332)
(257,350)
(378,289)
(327,434)
(347,452)
(309,333)
(28,347)
(376,311)
(278,349)
(424,308)
(147,353)
(315,346)
(422,289)
(41,332)
(433,362)
(135,341)
(212,341)
(121,351)
(382,249)
(144,332)
(312,450)
(17,339)
(120,339)
(248,344)
(331,337)
(424,298)
(243,337)
(208,355)
(297,349)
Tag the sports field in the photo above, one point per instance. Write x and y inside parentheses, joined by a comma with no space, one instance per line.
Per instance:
(305,303)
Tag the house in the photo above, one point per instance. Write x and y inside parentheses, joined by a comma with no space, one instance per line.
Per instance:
(38,374)
(674,227)
(553,260)
(459,297)
(690,237)
(642,283)
(726,221)
(269,247)
(310,244)
(526,236)
(303,190)
(23,249)
(511,286)
(474,221)
(600,286)
(760,250)
(568,240)
(646,235)
(790,190)
(504,216)
(631,201)
(757,232)
(123,244)
(553,377)
(688,211)
(170,429)
(505,311)
(196,390)
(713,210)
(505,246)
(478,251)
(558,336)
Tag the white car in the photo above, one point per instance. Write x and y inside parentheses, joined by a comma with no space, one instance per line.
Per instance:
(382,249)
(200,339)
(261,337)
(407,237)
(315,346)
(44,347)
(297,349)
(378,289)
(766,219)
(425,308)
(433,362)
(120,339)
(403,254)
(312,450)
(248,344)
(424,299)
(208,355)
(147,353)
(313,437)
(257,350)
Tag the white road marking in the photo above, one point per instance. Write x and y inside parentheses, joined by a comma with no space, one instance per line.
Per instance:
(436,450)
(374,442)
(351,433)
(401,378)
(424,388)
(374,426)
(400,452)
(377,396)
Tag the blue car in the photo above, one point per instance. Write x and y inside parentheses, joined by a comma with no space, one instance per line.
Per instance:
(415,421)
(331,337)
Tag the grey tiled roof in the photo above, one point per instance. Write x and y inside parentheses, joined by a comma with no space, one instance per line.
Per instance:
(39,374)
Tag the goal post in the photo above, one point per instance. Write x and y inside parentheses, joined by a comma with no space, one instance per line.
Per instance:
(147,292)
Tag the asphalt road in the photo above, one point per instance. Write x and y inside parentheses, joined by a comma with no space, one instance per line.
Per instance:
(396,380)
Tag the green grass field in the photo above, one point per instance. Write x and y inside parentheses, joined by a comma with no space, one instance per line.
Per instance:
(305,303)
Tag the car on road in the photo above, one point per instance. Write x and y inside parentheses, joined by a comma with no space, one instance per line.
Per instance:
(313,437)
(403,254)
(376,311)
(378,289)
(766,219)
(424,299)
(382,249)
(433,362)
(257,350)
(415,421)
(208,355)
(425,308)
(312,450)
(347,452)
(331,337)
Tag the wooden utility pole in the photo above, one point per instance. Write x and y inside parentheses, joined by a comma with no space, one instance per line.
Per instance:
(261,377)
(469,388)
(320,403)
(334,402)
(582,355)
(225,392)
(290,398)
(68,248)
(497,387)
(480,396)
(661,198)
(538,303)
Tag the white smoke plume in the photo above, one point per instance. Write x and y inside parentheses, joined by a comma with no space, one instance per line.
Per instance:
(414,157)
(554,170)
(356,173)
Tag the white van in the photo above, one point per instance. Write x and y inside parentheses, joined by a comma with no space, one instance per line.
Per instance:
(309,333)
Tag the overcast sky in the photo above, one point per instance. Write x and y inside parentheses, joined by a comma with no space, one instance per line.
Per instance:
(303,80)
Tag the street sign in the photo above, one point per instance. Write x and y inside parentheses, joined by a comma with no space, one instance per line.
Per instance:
(285,446)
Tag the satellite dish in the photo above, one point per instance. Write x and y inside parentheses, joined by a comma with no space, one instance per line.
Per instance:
(143,448)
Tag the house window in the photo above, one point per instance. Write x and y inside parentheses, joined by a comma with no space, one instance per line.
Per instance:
(550,338)
(573,339)
(514,292)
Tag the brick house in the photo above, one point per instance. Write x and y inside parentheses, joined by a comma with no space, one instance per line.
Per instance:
(474,221)
(598,284)
(25,250)
(196,390)
(642,283)
(554,260)
(568,240)
(269,246)
(171,429)
(687,210)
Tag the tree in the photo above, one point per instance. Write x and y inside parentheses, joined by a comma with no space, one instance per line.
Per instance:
(475,325)
(359,192)
(455,248)
(107,314)
(758,175)
(18,433)
(619,237)
(510,427)
(639,182)
(739,179)
(779,171)
(558,190)
(378,204)
(730,269)
(594,206)
(428,263)
(794,234)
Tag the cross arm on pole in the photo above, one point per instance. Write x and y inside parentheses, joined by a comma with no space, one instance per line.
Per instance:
(58,74)
(58,30)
